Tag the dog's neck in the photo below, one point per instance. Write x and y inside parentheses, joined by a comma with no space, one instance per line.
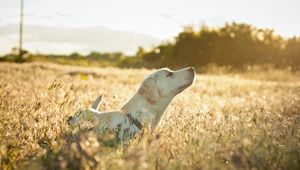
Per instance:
(139,103)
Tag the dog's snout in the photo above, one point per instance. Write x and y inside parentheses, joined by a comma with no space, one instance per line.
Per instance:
(69,119)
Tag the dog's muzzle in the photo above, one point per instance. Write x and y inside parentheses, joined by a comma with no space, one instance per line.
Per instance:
(69,120)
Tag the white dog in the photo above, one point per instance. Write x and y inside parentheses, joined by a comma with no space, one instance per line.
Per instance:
(145,108)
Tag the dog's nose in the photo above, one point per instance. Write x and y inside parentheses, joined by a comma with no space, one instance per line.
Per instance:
(69,119)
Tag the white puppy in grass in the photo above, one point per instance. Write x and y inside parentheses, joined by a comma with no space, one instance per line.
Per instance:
(145,108)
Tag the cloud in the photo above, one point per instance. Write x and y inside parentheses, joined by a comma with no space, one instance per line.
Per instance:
(165,15)
(59,14)
(38,16)
(68,40)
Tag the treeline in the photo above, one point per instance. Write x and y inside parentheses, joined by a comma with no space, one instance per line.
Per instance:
(235,45)
(92,59)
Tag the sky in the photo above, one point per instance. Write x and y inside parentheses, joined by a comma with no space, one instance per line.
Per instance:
(65,26)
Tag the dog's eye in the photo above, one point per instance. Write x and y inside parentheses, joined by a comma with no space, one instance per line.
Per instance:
(169,74)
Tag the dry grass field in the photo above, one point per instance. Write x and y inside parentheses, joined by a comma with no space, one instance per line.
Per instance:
(224,121)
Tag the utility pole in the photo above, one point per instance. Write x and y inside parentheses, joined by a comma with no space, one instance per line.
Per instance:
(21,29)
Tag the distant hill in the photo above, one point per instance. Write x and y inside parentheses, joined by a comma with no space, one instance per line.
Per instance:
(67,40)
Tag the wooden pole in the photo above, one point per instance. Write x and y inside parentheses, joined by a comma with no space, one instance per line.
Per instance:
(21,29)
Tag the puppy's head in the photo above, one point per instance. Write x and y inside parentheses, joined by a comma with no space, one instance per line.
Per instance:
(84,113)
(75,120)
(82,116)
(165,83)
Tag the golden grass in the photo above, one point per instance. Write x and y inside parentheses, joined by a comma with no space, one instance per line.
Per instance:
(221,122)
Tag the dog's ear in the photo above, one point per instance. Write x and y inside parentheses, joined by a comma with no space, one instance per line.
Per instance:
(149,90)
(97,102)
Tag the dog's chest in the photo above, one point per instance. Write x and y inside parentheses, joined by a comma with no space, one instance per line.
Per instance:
(126,129)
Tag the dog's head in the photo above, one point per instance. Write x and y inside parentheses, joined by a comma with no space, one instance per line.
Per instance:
(165,83)
(85,113)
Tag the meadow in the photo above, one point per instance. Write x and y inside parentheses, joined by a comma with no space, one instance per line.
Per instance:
(247,120)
